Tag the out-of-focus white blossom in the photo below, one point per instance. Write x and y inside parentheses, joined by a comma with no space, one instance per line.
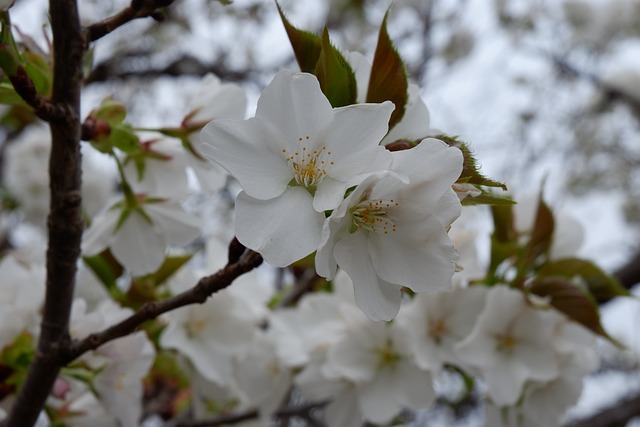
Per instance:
(21,298)
(138,242)
(436,322)
(209,334)
(26,175)
(161,170)
(506,349)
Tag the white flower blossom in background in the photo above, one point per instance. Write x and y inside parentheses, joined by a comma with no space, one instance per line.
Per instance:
(316,323)
(342,408)
(294,160)
(161,169)
(262,379)
(212,100)
(509,345)
(119,382)
(21,298)
(120,364)
(436,322)
(25,174)
(138,241)
(391,230)
(374,357)
(210,334)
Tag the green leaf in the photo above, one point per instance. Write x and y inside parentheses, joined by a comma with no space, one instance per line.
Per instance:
(39,72)
(488,198)
(337,79)
(470,169)
(601,285)
(572,301)
(307,46)
(388,80)
(9,96)
(105,267)
(542,231)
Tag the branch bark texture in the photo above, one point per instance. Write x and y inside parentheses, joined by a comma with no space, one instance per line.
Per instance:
(65,221)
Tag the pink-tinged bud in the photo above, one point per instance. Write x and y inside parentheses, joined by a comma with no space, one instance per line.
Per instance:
(94,129)
(60,388)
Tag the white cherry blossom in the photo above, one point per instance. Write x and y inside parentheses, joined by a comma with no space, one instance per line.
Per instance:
(436,322)
(139,240)
(294,160)
(391,230)
(160,169)
(212,100)
(209,334)
(374,357)
(510,344)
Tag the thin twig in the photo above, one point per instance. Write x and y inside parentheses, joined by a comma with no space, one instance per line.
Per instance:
(137,9)
(617,415)
(301,411)
(196,295)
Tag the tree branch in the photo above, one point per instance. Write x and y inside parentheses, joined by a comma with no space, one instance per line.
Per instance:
(137,9)
(65,221)
(302,411)
(610,91)
(196,295)
(615,416)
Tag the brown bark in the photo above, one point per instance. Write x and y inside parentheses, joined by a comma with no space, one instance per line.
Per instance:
(65,221)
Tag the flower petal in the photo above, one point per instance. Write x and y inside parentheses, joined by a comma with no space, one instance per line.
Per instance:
(354,137)
(101,233)
(243,149)
(295,104)
(283,230)
(176,225)
(378,299)
(422,261)
(138,246)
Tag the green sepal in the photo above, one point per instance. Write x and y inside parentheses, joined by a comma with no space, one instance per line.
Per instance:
(487,198)
(388,80)
(110,111)
(470,169)
(337,79)
(306,46)
(575,303)
(18,356)
(601,285)
(168,268)
(123,137)
(504,239)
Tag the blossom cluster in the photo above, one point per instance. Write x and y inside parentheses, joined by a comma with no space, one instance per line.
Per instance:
(315,178)
(529,357)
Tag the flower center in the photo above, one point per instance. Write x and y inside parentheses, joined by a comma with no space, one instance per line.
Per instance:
(372,215)
(387,356)
(308,165)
